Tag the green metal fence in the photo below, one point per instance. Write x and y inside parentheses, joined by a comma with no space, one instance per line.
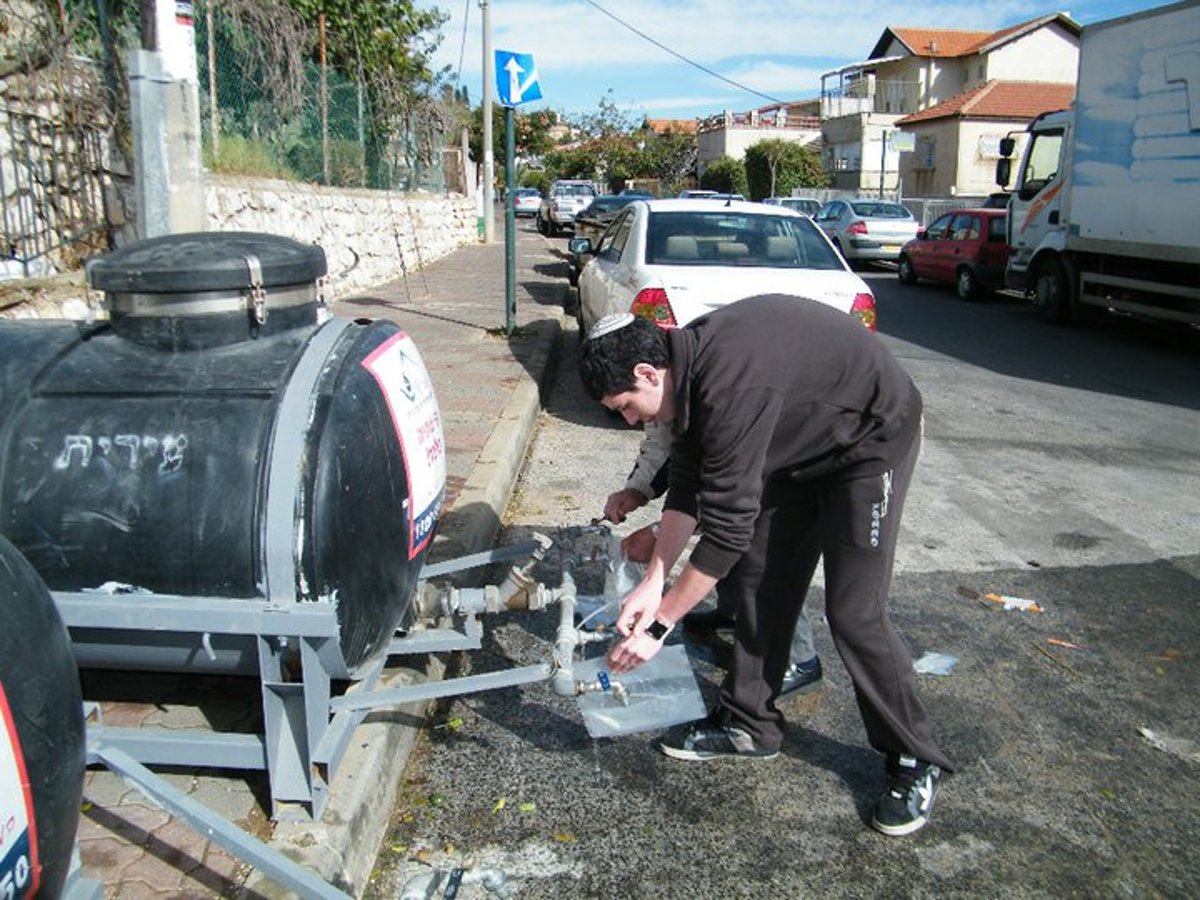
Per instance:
(264,115)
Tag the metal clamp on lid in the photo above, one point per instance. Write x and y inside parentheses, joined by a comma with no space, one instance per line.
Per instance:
(258,296)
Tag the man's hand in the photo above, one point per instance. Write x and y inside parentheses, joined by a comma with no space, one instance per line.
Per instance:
(629,653)
(639,546)
(622,503)
(640,605)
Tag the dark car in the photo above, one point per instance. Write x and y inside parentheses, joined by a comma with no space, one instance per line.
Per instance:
(594,219)
(964,247)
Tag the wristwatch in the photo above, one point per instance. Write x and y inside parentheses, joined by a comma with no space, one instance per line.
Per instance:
(658,630)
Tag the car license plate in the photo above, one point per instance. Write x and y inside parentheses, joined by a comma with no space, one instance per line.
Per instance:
(891,248)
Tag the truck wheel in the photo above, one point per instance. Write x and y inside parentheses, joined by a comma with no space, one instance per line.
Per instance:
(966,284)
(1052,292)
(541,226)
(904,271)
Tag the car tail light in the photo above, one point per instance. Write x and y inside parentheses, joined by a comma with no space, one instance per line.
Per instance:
(857,228)
(863,309)
(653,304)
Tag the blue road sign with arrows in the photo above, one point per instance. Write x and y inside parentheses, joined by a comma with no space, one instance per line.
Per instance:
(516,78)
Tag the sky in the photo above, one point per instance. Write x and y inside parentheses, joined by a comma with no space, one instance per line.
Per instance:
(773,50)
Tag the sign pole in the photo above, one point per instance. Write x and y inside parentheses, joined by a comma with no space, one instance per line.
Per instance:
(510,222)
(512,89)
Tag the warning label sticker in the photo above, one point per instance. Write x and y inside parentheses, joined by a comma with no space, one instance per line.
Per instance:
(19,869)
(400,373)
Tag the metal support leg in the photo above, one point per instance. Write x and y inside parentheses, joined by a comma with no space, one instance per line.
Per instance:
(199,817)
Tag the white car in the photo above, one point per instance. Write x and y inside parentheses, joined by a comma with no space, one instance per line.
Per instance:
(866,229)
(526,201)
(674,260)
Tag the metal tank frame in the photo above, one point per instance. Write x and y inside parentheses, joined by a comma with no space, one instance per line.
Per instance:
(307,730)
(124,751)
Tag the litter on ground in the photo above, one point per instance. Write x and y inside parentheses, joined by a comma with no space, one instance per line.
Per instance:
(1181,747)
(935,664)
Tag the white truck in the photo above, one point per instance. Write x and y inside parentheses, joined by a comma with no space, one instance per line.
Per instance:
(1105,212)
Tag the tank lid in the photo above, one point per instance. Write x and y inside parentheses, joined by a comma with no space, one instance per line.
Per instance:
(205,261)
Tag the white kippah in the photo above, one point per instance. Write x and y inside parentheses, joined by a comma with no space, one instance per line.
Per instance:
(609,324)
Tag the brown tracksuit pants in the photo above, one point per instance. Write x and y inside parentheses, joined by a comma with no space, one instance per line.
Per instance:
(854,524)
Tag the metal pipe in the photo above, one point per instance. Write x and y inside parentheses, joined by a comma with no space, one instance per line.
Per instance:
(449,688)
(562,682)
(497,554)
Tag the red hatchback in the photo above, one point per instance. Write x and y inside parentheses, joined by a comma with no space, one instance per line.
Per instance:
(965,247)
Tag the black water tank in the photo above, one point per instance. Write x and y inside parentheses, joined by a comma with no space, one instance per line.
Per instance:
(214,439)
(41,736)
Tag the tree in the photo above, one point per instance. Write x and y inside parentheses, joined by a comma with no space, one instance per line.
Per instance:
(670,157)
(726,174)
(572,162)
(775,167)
(608,120)
(388,45)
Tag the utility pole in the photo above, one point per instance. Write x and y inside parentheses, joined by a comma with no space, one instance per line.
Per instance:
(882,160)
(489,156)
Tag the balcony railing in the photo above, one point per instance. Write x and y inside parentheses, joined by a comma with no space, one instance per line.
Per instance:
(871,96)
(758,119)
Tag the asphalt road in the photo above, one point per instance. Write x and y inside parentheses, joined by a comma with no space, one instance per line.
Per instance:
(1060,465)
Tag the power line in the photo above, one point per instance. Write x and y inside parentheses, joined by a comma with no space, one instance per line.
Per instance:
(462,46)
(680,56)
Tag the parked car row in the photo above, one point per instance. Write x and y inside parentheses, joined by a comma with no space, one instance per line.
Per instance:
(673,260)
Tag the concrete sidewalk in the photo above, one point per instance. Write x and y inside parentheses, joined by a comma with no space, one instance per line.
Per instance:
(488,386)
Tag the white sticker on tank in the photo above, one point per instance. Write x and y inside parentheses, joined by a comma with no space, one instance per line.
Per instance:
(398,369)
(19,869)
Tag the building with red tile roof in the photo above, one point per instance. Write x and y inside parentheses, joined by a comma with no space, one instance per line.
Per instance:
(955,90)
(1004,100)
(665,126)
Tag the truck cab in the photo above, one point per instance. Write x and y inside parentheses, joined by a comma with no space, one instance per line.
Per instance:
(1037,212)
(1102,218)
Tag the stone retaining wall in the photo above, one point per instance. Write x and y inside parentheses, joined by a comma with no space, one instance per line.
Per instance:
(369,237)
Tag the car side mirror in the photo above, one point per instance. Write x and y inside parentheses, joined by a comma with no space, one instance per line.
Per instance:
(580,246)
(1007,146)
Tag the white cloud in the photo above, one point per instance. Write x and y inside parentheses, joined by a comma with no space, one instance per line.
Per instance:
(775,47)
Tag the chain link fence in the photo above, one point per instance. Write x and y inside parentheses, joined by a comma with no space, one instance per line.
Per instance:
(268,109)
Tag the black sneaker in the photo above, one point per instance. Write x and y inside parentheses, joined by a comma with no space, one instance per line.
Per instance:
(802,678)
(906,804)
(707,620)
(712,738)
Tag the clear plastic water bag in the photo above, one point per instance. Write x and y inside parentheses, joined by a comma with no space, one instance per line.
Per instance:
(657,694)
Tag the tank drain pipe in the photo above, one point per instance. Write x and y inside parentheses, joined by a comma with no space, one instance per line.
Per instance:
(517,591)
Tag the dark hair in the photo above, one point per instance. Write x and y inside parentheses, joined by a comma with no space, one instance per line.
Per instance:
(606,363)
